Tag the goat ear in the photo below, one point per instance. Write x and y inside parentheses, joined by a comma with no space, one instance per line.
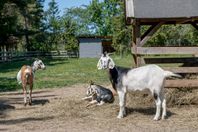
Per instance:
(99,65)
(91,82)
(105,53)
(36,59)
(111,64)
(109,54)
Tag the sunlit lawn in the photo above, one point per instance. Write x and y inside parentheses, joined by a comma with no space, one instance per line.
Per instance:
(59,72)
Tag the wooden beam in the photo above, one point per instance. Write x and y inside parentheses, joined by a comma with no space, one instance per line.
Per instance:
(166,50)
(184,21)
(137,34)
(182,69)
(134,53)
(129,21)
(181,83)
(129,8)
(149,33)
(151,60)
(149,21)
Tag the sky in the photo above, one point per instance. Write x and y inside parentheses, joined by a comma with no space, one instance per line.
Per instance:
(62,4)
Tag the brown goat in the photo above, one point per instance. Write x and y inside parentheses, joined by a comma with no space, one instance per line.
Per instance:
(26,77)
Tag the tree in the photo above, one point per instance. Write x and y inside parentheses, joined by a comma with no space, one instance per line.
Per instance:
(177,35)
(32,13)
(108,20)
(121,32)
(96,16)
(52,20)
(20,18)
(69,33)
(80,16)
(194,36)
(8,21)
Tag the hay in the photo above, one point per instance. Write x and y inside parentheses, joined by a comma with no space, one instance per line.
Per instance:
(175,97)
(139,98)
(181,96)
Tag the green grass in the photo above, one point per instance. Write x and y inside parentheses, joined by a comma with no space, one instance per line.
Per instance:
(59,72)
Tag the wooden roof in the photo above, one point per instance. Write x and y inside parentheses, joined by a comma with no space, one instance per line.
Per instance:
(172,11)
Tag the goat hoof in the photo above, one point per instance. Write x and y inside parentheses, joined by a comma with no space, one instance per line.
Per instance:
(156,118)
(164,117)
(120,116)
(124,113)
(30,103)
(25,104)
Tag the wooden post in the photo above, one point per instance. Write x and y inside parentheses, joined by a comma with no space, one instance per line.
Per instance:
(136,39)
(149,33)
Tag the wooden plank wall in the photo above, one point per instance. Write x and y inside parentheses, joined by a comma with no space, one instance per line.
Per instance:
(166,50)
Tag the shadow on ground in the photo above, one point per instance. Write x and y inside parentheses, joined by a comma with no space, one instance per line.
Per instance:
(21,120)
(4,106)
(40,101)
(147,111)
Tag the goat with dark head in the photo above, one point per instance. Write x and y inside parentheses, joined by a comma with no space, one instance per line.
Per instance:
(25,76)
(150,77)
(98,94)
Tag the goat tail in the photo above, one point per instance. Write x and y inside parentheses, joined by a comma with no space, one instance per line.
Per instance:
(19,77)
(27,75)
(171,74)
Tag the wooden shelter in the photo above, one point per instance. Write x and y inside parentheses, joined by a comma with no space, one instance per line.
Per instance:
(94,46)
(156,13)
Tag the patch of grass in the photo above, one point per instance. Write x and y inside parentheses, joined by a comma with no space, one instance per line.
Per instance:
(59,72)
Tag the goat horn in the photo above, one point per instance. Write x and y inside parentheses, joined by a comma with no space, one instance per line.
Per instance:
(110,53)
(91,82)
(36,59)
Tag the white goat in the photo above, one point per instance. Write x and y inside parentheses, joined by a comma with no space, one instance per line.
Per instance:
(150,77)
(26,77)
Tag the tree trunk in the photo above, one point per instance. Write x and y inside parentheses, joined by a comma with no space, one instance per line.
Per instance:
(26,32)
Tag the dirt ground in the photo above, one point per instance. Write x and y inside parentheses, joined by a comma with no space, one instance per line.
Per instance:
(62,110)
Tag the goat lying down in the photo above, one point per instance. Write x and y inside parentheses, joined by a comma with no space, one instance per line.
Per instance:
(150,77)
(98,94)
(25,76)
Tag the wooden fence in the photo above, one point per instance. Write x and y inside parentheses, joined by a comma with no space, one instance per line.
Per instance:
(14,56)
(186,57)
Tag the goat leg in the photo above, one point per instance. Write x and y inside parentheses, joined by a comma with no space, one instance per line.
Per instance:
(87,98)
(101,103)
(30,95)
(25,95)
(91,103)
